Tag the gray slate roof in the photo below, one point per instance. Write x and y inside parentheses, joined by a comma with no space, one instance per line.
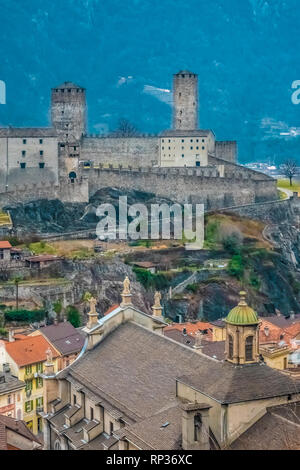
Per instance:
(137,369)
(64,337)
(186,133)
(278,429)
(10,383)
(24,132)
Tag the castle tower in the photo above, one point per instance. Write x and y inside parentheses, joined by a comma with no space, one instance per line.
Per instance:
(185,101)
(242,334)
(68,111)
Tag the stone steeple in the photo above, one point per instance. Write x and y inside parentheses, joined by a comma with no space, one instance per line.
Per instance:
(242,334)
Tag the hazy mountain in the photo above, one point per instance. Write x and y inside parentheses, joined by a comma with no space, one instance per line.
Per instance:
(125,52)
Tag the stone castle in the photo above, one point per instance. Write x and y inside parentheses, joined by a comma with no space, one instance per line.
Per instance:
(185,163)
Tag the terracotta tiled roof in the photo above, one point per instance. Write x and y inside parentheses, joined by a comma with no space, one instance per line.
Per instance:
(110,309)
(30,350)
(191,328)
(270,332)
(5,244)
(42,258)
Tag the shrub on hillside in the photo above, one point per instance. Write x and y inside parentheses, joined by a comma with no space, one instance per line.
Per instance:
(27,316)
(73,316)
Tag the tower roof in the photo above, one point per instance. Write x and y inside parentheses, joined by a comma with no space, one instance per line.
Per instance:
(185,72)
(68,85)
(242,314)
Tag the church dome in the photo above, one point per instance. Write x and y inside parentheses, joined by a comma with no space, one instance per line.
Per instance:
(242,314)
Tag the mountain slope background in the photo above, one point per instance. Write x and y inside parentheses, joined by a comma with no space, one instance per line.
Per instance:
(124,53)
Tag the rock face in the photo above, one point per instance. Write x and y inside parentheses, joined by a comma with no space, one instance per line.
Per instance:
(53,216)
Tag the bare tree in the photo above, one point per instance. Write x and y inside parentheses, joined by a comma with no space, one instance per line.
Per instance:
(290,170)
(125,129)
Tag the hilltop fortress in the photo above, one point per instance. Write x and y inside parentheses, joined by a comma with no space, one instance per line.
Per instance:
(185,163)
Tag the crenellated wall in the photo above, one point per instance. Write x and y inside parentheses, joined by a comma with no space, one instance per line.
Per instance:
(188,185)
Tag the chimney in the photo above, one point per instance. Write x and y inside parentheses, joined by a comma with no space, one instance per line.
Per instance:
(195,426)
(292,315)
(93,315)
(11,335)
(126,294)
(157,308)
(198,340)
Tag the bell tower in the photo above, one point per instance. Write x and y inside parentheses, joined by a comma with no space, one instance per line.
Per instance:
(242,334)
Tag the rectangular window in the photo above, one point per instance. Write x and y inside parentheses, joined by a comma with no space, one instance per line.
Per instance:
(74,399)
(41,141)
(182,155)
(197,163)
(41,153)
(24,141)
(42,165)
(191,148)
(92,413)
(39,367)
(28,385)
(40,424)
(28,369)
(23,153)
(39,402)
(28,406)
(111,428)
(39,382)
(23,165)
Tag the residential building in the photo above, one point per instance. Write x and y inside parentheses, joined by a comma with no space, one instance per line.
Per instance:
(134,388)
(11,396)
(15,435)
(65,339)
(26,358)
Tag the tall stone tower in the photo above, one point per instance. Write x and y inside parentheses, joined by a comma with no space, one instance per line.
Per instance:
(185,101)
(68,111)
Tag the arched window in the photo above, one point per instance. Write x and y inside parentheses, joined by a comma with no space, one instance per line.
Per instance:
(249,348)
(57,445)
(230,347)
(197,426)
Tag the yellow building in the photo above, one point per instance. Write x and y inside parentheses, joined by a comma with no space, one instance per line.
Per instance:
(26,358)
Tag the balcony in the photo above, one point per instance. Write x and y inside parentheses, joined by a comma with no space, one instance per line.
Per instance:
(28,376)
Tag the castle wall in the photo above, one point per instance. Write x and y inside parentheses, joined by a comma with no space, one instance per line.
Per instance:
(126,151)
(184,185)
